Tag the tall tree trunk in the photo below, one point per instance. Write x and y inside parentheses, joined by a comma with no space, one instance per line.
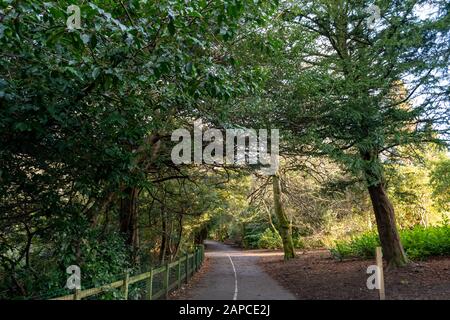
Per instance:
(283,223)
(179,238)
(243,234)
(129,219)
(162,249)
(393,251)
(201,235)
(387,229)
(269,213)
(169,240)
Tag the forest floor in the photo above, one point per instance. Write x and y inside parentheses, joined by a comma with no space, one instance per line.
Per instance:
(231,273)
(315,275)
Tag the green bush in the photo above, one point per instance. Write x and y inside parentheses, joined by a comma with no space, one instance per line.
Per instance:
(418,242)
(102,256)
(270,240)
(251,240)
(299,243)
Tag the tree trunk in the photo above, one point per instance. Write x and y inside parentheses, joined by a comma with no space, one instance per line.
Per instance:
(283,223)
(243,227)
(129,219)
(164,240)
(269,213)
(169,239)
(387,229)
(179,238)
(201,235)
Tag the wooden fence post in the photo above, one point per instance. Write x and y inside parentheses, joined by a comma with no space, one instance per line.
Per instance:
(195,260)
(76,294)
(166,280)
(198,258)
(379,255)
(187,266)
(125,285)
(150,285)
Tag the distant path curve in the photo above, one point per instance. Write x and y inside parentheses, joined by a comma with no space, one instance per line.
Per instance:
(235,275)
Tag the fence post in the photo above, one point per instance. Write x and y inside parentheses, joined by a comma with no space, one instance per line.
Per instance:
(166,280)
(198,258)
(125,285)
(150,285)
(76,294)
(203,253)
(195,260)
(187,266)
(179,274)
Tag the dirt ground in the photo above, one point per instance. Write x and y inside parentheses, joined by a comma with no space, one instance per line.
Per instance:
(315,275)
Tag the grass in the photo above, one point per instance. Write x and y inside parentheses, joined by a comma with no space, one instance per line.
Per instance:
(419,243)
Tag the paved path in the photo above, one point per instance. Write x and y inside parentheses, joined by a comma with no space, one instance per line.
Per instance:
(234,275)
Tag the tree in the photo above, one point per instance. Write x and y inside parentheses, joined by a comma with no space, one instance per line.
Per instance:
(86,116)
(338,88)
(283,223)
(440,181)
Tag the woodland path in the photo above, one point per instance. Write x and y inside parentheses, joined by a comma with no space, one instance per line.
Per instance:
(234,274)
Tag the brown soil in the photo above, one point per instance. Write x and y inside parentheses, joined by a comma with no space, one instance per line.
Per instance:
(315,275)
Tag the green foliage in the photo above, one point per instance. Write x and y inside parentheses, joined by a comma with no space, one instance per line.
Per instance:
(86,114)
(359,94)
(440,181)
(423,242)
(418,242)
(361,246)
(78,109)
(300,243)
(270,239)
(349,97)
(411,194)
(102,257)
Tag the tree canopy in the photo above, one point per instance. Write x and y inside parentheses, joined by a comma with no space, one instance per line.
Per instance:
(86,117)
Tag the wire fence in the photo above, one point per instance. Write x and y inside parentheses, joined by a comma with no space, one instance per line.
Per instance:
(155,284)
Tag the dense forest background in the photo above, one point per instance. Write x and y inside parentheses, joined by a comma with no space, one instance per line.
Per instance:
(86,117)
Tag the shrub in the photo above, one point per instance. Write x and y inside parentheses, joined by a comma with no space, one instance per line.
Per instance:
(299,243)
(418,242)
(102,257)
(270,240)
(251,240)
